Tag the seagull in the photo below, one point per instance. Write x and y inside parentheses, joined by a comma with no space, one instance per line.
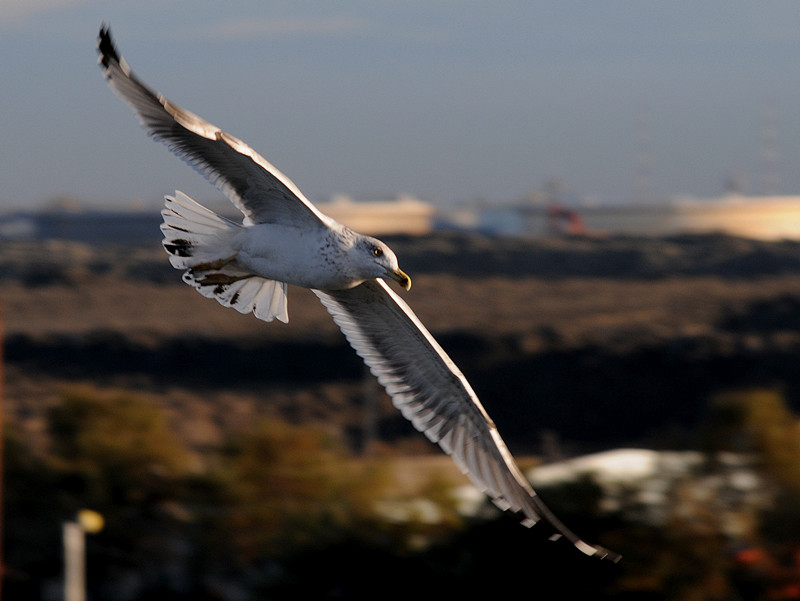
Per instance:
(283,239)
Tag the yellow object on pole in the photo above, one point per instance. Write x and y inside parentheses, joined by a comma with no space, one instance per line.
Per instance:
(91,521)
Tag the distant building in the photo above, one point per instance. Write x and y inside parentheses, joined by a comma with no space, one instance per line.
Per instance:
(762,217)
(401,215)
(757,217)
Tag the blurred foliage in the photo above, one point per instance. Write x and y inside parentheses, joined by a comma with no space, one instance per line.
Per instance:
(114,449)
(283,486)
(284,511)
(758,422)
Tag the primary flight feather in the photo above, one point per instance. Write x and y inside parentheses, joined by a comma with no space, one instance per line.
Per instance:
(284,239)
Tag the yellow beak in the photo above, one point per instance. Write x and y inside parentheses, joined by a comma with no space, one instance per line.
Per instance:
(400,277)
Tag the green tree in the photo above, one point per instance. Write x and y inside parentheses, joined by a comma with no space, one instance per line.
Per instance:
(115,449)
(283,486)
(758,422)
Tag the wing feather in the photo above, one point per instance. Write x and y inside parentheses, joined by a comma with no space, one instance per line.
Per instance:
(255,186)
(433,394)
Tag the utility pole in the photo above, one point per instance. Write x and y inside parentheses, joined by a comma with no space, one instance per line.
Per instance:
(75,552)
(74,562)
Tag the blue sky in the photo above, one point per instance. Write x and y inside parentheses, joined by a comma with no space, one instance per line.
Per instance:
(448,100)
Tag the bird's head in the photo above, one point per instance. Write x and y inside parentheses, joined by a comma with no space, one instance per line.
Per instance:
(380,262)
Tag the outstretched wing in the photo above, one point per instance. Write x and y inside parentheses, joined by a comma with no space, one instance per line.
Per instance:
(432,393)
(257,188)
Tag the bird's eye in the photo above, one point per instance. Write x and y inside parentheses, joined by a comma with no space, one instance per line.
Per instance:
(377,251)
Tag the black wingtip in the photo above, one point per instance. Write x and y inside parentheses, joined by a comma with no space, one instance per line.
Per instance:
(105,46)
(595,551)
(602,553)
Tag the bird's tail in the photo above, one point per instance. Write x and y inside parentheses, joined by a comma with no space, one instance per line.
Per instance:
(199,242)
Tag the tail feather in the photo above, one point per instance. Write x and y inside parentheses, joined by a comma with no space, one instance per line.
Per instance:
(270,301)
(265,298)
(194,234)
(197,239)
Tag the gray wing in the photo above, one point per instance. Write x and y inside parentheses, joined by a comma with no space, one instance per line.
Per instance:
(432,393)
(256,187)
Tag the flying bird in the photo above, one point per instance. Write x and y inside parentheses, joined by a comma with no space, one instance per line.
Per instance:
(283,239)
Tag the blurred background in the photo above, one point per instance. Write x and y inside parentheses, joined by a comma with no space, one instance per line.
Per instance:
(599,208)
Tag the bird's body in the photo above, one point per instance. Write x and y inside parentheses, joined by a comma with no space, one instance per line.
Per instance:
(284,239)
(272,251)
(310,257)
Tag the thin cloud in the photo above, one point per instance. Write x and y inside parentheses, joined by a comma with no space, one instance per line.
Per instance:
(17,10)
(285,28)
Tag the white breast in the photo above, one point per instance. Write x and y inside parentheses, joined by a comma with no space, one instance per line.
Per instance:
(311,259)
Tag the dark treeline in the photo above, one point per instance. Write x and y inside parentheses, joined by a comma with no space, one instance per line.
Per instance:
(590,395)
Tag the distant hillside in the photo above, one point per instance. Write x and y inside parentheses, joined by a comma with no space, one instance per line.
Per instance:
(606,342)
(90,227)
